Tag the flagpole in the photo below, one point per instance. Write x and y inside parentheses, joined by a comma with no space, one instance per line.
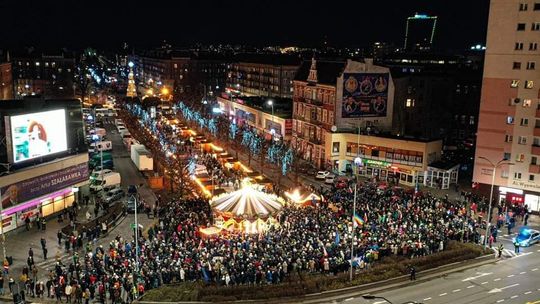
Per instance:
(353,234)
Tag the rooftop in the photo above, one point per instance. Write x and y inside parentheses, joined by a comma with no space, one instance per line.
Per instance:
(282,106)
(327,71)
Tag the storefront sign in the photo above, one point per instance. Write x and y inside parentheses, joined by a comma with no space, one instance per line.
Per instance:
(525,185)
(377,163)
(407,171)
(43,184)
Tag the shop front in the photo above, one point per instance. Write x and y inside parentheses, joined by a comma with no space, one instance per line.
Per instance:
(43,195)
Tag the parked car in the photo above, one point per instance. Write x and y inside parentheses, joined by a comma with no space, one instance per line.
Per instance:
(329,179)
(322,174)
(132,189)
(527,237)
(114,195)
(131,204)
(108,189)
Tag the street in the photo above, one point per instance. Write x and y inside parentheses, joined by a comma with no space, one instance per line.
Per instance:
(510,280)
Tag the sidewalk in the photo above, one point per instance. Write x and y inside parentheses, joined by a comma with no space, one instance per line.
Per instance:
(19,241)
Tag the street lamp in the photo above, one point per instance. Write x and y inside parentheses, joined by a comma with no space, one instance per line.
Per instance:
(494,166)
(270,102)
(372,297)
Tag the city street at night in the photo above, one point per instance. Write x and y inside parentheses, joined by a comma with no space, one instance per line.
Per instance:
(270,152)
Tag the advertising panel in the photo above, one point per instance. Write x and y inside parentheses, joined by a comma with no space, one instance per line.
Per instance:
(44,184)
(37,134)
(364,95)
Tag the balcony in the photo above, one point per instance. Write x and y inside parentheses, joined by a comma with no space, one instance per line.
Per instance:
(308,101)
(315,141)
(313,102)
(309,120)
(535,150)
(535,169)
(536,131)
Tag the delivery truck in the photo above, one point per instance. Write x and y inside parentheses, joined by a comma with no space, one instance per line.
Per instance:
(142,158)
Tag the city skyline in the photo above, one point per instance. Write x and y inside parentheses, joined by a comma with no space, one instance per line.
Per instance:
(109,25)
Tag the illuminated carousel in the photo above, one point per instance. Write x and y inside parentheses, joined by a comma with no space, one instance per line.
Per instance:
(247,210)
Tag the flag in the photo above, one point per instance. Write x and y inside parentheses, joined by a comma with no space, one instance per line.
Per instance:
(324,251)
(358,221)
(337,239)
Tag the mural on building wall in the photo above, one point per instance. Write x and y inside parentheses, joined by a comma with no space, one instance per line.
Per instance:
(364,95)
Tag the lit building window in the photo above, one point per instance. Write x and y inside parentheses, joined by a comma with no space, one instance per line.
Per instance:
(409,103)
(529,84)
(515,83)
(526,103)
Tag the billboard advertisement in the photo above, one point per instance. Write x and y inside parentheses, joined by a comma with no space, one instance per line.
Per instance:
(44,184)
(37,134)
(364,95)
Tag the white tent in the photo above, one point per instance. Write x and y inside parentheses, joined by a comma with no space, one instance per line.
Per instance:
(246,203)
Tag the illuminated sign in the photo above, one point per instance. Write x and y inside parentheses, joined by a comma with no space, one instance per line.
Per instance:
(377,163)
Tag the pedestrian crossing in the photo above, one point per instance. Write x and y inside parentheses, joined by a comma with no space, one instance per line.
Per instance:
(510,253)
(50,263)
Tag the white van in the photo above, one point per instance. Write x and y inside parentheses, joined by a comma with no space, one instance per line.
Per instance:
(109,179)
(96,173)
(100,146)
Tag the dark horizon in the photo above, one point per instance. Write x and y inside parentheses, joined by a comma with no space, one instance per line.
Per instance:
(107,25)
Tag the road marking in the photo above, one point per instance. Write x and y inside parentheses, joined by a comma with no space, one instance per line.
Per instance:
(456,290)
(505,235)
(510,276)
(443,294)
(349,299)
(380,302)
(427,299)
(528,292)
(538,250)
(523,272)
(534,269)
(497,279)
(501,289)
(483,283)
(514,296)
(470,286)
(501,300)
(479,275)
(523,254)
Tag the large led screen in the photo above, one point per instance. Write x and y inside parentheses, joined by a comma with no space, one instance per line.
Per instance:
(38,134)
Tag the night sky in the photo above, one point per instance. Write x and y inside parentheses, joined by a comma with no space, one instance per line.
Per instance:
(107,24)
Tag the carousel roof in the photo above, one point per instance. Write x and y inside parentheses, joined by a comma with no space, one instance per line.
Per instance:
(247,202)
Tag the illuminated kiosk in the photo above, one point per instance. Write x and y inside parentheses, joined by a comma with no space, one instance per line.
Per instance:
(246,210)
(302,200)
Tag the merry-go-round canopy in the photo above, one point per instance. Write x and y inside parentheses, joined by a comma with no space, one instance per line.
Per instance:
(246,203)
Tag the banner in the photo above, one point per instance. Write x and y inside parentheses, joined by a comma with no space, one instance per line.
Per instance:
(43,184)
(364,95)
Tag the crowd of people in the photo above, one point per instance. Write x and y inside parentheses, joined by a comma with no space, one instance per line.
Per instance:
(312,239)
